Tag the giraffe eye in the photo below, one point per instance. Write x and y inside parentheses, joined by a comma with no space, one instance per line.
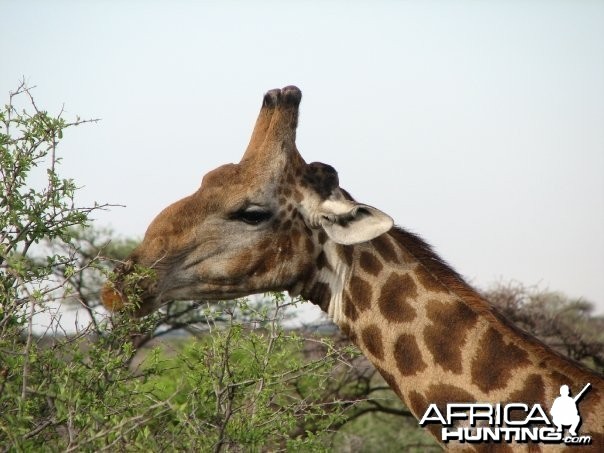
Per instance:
(252,216)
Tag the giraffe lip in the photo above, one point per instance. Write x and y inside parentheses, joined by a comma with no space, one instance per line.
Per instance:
(208,291)
(174,286)
(146,307)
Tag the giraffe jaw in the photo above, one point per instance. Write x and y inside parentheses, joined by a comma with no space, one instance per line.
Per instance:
(296,289)
(114,300)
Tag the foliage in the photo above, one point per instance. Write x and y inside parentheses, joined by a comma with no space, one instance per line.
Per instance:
(248,385)
(244,387)
(53,396)
(27,214)
(236,381)
(566,324)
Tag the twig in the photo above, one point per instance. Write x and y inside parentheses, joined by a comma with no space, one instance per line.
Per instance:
(27,348)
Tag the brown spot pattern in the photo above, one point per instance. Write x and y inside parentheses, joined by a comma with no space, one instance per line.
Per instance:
(320,294)
(360,292)
(408,356)
(533,392)
(384,247)
(447,334)
(268,261)
(428,281)
(559,378)
(496,361)
(370,264)
(322,237)
(394,298)
(499,448)
(309,245)
(597,441)
(417,403)
(372,339)
(322,261)
(390,380)
(345,253)
(350,311)
(321,177)
(442,394)
(349,332)
(345,328)
(590,404)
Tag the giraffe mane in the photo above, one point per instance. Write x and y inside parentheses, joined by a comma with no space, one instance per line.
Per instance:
(455,283)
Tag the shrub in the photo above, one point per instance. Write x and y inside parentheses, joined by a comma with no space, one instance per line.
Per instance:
(247,384)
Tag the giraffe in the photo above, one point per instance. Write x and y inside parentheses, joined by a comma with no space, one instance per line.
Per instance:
(272,222)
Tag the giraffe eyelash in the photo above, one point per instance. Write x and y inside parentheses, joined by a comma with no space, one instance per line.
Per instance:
(251,216)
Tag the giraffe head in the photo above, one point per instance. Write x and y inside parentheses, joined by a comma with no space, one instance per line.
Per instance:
(251,227)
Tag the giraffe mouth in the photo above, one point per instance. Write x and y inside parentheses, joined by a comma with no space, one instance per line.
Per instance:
(207,292)
(115,300)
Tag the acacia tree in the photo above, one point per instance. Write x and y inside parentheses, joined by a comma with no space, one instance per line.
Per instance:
(567,324)
(38,395)
(247,384)
(350,387)
(243,383)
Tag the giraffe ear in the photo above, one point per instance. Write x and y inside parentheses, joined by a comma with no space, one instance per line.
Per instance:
(347,222)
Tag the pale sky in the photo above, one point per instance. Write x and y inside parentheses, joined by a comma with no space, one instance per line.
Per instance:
(478,125)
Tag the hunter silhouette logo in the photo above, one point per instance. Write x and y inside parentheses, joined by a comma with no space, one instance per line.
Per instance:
(564,410)
(511,422)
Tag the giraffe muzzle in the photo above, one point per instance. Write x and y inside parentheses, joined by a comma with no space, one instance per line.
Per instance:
(129,291)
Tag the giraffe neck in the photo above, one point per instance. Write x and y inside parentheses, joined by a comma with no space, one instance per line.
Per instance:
(432,337)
